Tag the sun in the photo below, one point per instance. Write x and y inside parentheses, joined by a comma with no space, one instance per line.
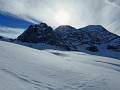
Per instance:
(62,17)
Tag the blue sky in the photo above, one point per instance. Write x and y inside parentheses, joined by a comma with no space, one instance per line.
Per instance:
(11,21)
(17,15)
(10,26)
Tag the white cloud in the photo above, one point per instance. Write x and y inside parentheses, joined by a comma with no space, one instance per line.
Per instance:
(114,2)
(83,12)
(10,32)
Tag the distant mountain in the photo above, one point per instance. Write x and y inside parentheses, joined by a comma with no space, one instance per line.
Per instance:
(42,33)
(93,37)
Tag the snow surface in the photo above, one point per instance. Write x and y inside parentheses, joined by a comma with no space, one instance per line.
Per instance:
(24,68)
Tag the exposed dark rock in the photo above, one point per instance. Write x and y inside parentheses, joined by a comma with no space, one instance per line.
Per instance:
(1,37)
(111,47)
(92,48)
(39,33)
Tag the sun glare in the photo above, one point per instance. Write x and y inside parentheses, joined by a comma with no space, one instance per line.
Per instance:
(62,17)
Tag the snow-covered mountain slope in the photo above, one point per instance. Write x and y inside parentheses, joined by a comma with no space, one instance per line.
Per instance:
(93,39)
(41,33)
(72,39)
(93,35)
(24,68)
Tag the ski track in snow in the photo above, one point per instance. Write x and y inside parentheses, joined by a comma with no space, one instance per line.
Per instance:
(23,68)
(27,80)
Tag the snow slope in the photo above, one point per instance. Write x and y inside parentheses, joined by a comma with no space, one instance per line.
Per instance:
(24,68)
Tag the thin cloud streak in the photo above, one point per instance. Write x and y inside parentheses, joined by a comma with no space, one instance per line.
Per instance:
(10,32)
(114,2)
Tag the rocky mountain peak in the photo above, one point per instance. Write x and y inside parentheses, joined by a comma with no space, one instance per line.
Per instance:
(64,28)
(37,33)
(70,38)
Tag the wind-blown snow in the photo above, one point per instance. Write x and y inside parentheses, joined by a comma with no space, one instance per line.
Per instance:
(24,68)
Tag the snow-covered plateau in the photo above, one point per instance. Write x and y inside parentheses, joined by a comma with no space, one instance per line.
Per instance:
(24,68)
